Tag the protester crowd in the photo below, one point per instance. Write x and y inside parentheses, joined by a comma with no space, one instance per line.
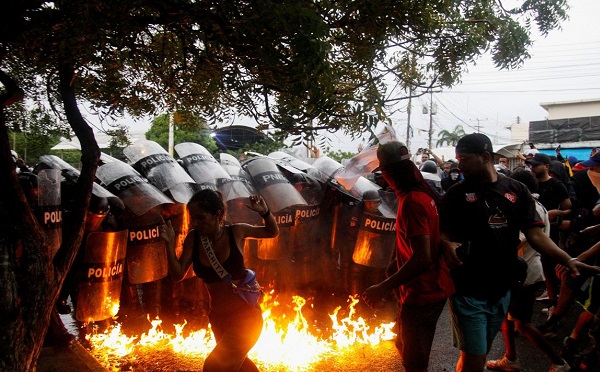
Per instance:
(523,230)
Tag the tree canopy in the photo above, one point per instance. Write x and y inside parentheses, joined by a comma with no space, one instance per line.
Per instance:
(295,66)
(450,138)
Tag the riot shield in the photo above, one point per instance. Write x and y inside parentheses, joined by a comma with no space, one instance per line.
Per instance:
(387,207)
(136,192)
(280,247)
(146,250)
(236,192)
(376,240)
(49,206)
(275,264)
(328,168)
(201,165)
(71,174)
(154,163)
(272,185)
(293,164)
(101,276)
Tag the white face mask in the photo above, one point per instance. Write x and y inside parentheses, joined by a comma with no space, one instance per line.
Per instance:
(453,176)
(595,178)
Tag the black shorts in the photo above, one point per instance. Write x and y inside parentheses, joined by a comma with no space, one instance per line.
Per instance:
(522,299)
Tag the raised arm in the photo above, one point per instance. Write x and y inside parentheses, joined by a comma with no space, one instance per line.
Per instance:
(177,267)
(269,230)
(543,244)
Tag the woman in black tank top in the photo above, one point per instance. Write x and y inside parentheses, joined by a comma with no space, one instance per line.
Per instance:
(235,324)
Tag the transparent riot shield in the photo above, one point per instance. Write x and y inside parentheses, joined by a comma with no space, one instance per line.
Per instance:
(274,263)
(71,174)
(373,251)
(101,276)
(236,192)
(154,163)
(376,240)
(146,250)
(49,207)
(272,185)
(201,165)
(280,247)
(135,191)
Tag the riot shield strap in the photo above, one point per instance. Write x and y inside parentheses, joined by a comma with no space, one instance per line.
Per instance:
(197,158)
(50,216)
(123,183)
(285,218)
(308,212)
(377,224)
(97,272)
(144,234)
(144,165)
(265,179)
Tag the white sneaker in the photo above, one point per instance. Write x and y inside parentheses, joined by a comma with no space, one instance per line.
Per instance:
(504,364)
(543,296)
(563,368)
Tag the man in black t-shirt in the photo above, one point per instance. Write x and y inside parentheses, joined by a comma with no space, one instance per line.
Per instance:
(553,193)
(480,221)
(555,198)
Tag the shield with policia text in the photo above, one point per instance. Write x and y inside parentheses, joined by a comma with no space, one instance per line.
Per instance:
(154,163)
(49,210)
(71,174)
(101,276)
(312,233)
(376,240)
(146,251)
(201,165)
(282,199)
(236,191)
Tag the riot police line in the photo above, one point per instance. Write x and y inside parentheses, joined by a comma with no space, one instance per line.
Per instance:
(330,240)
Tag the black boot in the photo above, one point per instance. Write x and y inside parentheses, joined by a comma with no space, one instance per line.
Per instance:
(570,350)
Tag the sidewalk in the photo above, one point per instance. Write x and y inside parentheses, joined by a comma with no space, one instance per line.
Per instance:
(73,358)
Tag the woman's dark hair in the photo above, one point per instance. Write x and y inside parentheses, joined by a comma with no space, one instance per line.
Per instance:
(525,177)
(209,200)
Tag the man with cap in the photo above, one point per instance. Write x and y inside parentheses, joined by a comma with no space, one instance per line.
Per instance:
(553,195)
(423,278)
(454,176)
(483,245)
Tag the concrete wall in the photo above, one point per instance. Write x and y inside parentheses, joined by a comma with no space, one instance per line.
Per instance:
(572,109)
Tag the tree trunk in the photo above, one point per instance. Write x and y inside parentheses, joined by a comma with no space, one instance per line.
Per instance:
(30,280)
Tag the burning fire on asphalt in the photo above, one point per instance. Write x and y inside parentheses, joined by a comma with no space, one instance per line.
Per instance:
(287,343)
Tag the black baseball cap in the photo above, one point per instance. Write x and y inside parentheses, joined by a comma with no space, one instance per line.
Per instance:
(538,159)
(390,153)
(474,143)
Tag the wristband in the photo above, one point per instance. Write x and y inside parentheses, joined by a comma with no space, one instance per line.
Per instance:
(571,260)
(265,215)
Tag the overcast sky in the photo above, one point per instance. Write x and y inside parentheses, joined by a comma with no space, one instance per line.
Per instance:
(564,66)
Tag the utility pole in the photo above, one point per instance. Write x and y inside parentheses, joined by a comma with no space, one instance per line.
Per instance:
(408,111)
(431,113)
(171,132)
(479,125)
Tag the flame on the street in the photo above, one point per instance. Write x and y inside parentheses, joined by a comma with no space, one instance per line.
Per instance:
(285,343)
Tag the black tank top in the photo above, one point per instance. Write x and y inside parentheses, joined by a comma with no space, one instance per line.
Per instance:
(234,264)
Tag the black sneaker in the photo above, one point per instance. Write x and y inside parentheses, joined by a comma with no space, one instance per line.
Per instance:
(570,350)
